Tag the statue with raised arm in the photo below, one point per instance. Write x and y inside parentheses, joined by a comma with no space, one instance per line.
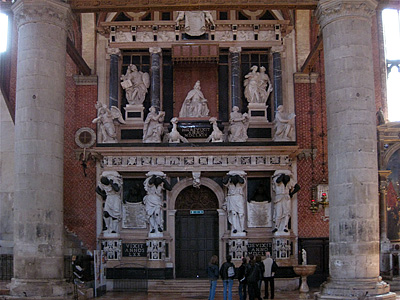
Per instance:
(105,120)
(284,186)
(195,104)
(135,83)
(235,199)
(153,126)
(109,188)
(238,125)
(154,185)
(284,126)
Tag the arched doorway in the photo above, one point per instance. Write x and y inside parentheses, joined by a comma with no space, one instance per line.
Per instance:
(196,231)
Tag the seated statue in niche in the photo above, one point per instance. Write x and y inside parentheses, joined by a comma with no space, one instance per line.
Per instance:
(238,125)
(109,188)
(105,120)
(257,85)
(135,83)
(154,185)
(284,125)
(153,126)
(284,186)
(235,199)
(195,104)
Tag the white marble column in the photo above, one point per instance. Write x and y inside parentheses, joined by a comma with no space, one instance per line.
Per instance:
(352,151)
(39,147)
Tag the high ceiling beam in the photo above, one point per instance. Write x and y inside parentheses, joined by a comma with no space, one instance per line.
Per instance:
(175,5)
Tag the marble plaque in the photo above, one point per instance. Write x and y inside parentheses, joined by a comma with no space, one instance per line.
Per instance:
(259,214)
(133,215)
(259,248)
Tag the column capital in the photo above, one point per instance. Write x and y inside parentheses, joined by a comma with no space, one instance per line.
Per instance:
(113,51)
(53,12)
(277,49)
(155,50)
(235,49)
(332,10)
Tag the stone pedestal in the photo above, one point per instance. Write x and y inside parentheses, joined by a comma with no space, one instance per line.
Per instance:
(134,114)
(39,148)
(258,113)
(352,152)
(304,271)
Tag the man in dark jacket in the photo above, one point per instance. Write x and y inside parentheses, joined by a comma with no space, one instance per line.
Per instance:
(252,276)
(227,273)
(242,279)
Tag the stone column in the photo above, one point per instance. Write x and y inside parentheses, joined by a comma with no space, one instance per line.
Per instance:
(155,86)
(277,75)
(39,147)
(352,151)
(115,54)
(235,76)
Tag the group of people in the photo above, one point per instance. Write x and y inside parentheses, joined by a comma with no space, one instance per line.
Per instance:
(250,275)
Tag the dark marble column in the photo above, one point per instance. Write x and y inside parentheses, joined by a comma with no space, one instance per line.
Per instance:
(115,54)
(235,76)
(277,74)
(155,85)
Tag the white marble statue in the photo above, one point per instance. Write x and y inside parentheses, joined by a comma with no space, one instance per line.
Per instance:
(174,136)
(238,125)
(195,104)
(284,186)
(195,21)
(135,83)
(216,136)
(257,85)
(235,200)
(154,185)
(284,126)
(304,257)
(105,120)
(153,126)
(109,188)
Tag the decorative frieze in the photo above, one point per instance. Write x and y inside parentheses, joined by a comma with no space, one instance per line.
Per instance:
(238,248)
(282,248)
(155,249)
(194,161)
(112,248)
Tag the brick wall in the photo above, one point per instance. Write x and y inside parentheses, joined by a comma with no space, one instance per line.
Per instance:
(79,191)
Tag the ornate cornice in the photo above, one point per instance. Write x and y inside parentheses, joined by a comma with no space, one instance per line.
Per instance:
(333,10)
(113,51)
(176,5)
(52,12)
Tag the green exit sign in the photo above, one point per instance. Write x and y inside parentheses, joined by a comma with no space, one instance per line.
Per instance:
(197,212)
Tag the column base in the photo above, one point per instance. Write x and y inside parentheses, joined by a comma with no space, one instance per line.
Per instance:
(353,289)
(50,289)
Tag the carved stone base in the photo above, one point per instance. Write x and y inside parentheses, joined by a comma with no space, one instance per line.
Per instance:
(258,113)
(353,289)
(40,289)
(134,114)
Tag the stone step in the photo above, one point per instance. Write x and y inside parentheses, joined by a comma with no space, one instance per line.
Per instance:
(186,287)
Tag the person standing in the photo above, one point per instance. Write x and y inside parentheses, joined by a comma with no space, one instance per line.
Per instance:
(261,268)
(227,273)
(213,274)
(252,276)
(269,273)
(242,279)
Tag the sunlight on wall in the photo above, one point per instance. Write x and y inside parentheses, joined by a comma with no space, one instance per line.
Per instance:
(3,32)
(391,29)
